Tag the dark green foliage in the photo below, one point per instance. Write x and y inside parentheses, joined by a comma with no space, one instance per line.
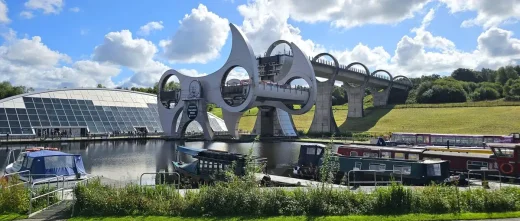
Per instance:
(506,73)
(446,90)
(243,200)
(15,198)
(170,86)
(485,93)
(339,96)
(8,90)
(464,74)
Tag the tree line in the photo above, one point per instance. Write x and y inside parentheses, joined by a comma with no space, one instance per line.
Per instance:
(8,90)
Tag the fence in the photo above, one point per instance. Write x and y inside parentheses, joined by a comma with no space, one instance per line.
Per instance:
(161,173)
(375,177)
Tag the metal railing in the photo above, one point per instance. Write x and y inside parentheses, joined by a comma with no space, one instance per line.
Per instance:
(48,195)
(171,173)
(484,175)
(375,177)
(18,173)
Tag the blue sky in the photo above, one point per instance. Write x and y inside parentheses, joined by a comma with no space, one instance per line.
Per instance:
(377,33)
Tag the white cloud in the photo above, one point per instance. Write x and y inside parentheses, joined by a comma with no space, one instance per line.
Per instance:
(26,14)
(122,49)
(192,72)
(498,42)
(75,9)
(3,12)
(31,53)
(489,13)
(150,26)
(345,13)
(31,63)
(199,38)
(262,26)
(47,6)
(147,75)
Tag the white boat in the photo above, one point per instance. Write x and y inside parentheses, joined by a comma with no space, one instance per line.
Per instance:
(46,164)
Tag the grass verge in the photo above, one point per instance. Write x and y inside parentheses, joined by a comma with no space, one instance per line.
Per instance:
(408,217)
(11,216)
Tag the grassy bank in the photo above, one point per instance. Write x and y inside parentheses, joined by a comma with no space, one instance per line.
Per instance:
(468,120)
(409,217)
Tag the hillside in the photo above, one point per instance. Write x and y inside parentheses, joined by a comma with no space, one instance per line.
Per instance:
(468,120)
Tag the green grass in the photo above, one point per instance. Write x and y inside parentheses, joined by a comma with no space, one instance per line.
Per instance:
(12,216)
(465,120)
(409,217)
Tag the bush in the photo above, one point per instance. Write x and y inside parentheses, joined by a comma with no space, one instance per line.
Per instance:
(445,90)
(485,93)
(241,199)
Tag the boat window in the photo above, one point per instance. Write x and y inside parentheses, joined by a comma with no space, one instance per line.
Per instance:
(433,169)
(20,157)
(497,140)
(476,165)
(370,154)
(311,150)
(420,139)
(29,162)
(437,140)
(386,155)
(413,156)
(402,169)
(353,153)
(357,166)
(426,139)
(399,155)
(377,166)
(504,152)
(59,162)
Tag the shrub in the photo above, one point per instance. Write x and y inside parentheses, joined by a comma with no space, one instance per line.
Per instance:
(485,93)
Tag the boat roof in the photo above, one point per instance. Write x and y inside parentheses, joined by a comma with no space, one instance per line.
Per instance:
(48,153)
(190,150)
(506,145)
(460,135)
(458,154)
(383,148)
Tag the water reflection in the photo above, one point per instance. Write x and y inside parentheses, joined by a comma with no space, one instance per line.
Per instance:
(127,160)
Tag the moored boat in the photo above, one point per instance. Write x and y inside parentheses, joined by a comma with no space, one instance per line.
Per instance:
(42,164)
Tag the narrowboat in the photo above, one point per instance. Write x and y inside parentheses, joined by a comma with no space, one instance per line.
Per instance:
(210,165)
(415,172)
(39,164)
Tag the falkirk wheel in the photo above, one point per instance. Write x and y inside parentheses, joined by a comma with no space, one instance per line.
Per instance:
(189,103)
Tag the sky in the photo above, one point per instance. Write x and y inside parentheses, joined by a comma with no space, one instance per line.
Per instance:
(48,44)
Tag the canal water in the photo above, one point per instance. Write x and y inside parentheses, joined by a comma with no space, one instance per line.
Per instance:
(126,160)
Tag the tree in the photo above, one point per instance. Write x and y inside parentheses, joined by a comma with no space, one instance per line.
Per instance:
(339,96)
(506,73)
(464,74)
(8,90)
(446,90)
(485,93)
(100,86)
(487,74)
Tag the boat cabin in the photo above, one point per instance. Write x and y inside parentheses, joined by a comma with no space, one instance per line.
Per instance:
(44,164)
(507,157)
(381,152)
(211,164)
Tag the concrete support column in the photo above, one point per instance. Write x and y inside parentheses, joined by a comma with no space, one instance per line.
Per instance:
(201,118)
(273,122)
(380,98)
(323,121)
(355,100)
(232,119)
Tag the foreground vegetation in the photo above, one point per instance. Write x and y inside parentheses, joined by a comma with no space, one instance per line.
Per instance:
(224,199)
(14,199)
(409,217)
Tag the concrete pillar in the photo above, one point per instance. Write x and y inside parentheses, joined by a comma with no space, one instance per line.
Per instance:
(323,121)
(380,98)
(232,119)
(355,100)
(273,122)
(201,118)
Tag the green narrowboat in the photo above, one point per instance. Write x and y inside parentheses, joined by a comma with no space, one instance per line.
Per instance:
(360,169)
(210,165)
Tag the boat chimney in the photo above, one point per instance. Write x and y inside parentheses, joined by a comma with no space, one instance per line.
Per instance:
(448,144)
